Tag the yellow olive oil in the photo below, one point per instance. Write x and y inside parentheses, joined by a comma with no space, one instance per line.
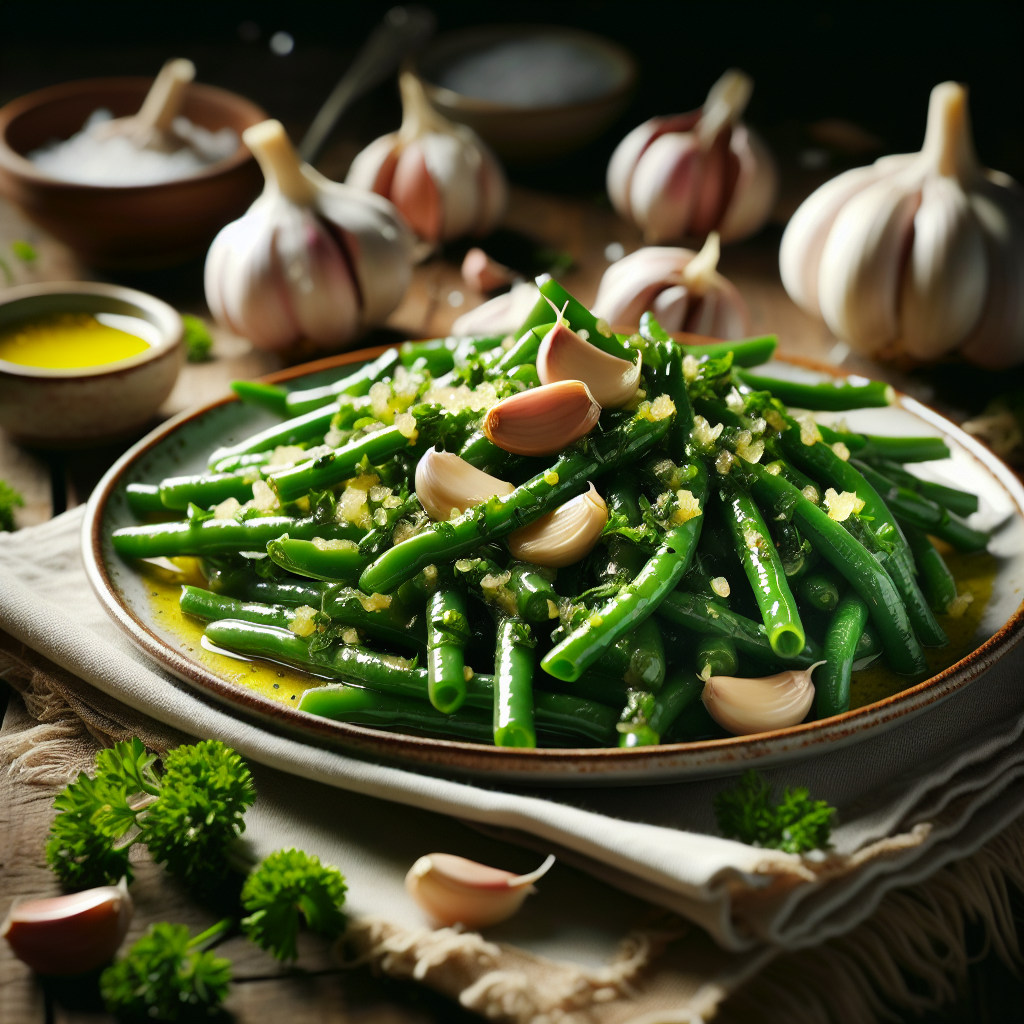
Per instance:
(68,341)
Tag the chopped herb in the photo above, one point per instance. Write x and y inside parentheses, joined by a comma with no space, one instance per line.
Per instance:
(10,499)
(198,341)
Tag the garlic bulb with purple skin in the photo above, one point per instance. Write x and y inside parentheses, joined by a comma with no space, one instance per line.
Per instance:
(919,253)
(682,288)
(441,175)
(310,259)
(746,706)
(455,890)
(688,174)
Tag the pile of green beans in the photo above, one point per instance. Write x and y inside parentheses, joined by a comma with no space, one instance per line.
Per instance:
(721,555)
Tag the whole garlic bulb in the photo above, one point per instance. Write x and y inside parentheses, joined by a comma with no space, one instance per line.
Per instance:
(682,288)
(687,174)
(441,175)
(311,258)
(921,253)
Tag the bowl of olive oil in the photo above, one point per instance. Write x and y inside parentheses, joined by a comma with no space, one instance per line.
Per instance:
(84,363)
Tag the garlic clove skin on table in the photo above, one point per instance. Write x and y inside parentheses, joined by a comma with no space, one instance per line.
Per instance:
(310,259)
(447,483)
(682,288)
(747,706)
(916,254)
(688,174)
(440,175)
(454,890)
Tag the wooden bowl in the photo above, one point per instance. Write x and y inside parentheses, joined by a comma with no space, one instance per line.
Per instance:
(520,134)
(126,227)
(86,406)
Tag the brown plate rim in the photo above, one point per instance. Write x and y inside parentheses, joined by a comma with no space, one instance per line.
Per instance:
(609,765)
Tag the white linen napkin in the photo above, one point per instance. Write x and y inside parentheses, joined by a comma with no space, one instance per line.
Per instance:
(910,800)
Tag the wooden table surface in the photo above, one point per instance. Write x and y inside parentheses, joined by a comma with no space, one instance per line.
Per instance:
(314,991)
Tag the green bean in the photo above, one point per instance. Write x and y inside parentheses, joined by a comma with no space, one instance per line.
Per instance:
(622,496)
(716,411)
(937,581)
(694,724)
(513,685)
(845,628)
(716,656)
(204,604)
(745,351)
(960,502)
(672,382)
(340,464)
(525,374)
(233,463)
(853,442)
(178,492)
(798,557)
(242,582)
(820,590)
(524,351)
(904,449)
(592,686)
(681,689)
(819,459)
(498,516)
(144,498)
(447,634)
(636,600)
(581,319)
(480,451)
(338,561)
(849,557)
(390,621)
(355,385)
(222,536)
(312,426)
(536,599)
(868,646)
(910,507)
(835,396)
(266,396)
(764,570)
(434,354)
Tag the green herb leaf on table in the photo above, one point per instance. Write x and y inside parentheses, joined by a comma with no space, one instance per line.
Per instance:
(10,499)
(288,884)
(24,251)
(795,825)
(168,975)
(198,340)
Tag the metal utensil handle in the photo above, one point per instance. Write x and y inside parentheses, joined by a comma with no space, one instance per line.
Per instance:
(402,30)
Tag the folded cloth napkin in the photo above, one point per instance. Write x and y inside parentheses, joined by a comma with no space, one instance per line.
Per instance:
(910,800)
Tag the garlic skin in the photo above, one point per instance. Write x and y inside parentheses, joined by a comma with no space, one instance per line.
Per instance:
(565,535)
(746,706)
(445,482)
(501,315)
(440,175)
(543,420)
(687,174)
(454,890)
(916,253)
(310,259)
(682,288)
(483,274)
(69,934)
(564,355)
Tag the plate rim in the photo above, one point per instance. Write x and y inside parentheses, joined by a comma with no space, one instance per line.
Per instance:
(573,765)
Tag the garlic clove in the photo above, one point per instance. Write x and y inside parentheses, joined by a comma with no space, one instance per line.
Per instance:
(757,185)
(671,306)
(454,890)
(946,278)
(373,168)
(414,193)
(543,420)
(564,355)
(501,315)
(69,934)
(665,186)
(444,483)
(630,286)
(746,706)
(563,536)
(483,274)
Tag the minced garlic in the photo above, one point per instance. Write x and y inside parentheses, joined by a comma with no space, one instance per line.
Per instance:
(809,432)
(304,621)
(724,462)
(335,544)
(263,497)
(226,509)
(811,494)
(691,368)
(959,604)
(842,506)
(704,434)
(375,602)
(551,478)
(288,455)
(720,585)
(747,448)
(841,450)
(687,508)
(406,423)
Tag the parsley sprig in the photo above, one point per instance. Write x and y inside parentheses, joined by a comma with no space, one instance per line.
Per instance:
(795,825)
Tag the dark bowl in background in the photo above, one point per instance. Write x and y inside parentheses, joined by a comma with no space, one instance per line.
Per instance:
(126,227)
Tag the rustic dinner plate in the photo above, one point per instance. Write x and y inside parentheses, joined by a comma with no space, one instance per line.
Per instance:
(182,444)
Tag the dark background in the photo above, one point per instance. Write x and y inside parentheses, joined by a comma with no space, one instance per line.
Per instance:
(866,62)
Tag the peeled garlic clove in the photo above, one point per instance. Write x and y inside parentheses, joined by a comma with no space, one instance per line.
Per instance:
(501,315)
(69,934)
(445,482)
(564,536)
(440,175)
(483,274)
(542,420)
(746,706)
(454,890)
(310,259)
(564,355)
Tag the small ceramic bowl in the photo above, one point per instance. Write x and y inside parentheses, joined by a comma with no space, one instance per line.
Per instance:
(127,227)
(87,406)
(528,134)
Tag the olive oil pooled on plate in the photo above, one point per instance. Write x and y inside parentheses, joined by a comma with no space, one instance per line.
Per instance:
(66,341)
